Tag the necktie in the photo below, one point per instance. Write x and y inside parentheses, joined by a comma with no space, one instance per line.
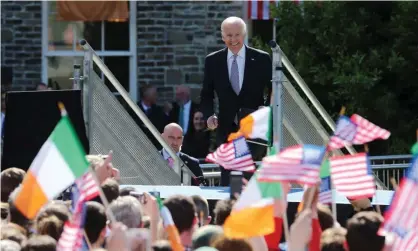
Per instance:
(181,116)
(235,75)
(170,162)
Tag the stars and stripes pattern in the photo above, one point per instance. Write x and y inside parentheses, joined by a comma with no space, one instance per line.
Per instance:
(88,187)
(325,192)
(299,164)
(352,176)
(234,155)
(403,213)
(355,130)
(400,239)
(85,189)
(260,9)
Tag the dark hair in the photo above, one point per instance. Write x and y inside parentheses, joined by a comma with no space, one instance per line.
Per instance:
(10,179)
(40,243)
(110,189)
(161,245)
(361,229)
(51,219)
(201,206)
(126,191)
(95,220)
(222,210)
(183,211)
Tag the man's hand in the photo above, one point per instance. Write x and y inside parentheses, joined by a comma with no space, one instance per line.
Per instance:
(212,122)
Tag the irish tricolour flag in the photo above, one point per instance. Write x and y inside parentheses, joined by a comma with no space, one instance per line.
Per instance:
(60,161)
(256,125)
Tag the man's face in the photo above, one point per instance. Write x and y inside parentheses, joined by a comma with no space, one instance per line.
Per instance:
(233,36)
(182,94)
(152,95)
(174,138)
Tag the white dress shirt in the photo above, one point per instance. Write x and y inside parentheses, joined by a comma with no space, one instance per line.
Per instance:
(240,62)
(186,116)
(166,155)
(145,106)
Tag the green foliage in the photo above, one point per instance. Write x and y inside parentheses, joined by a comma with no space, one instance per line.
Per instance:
(363,55)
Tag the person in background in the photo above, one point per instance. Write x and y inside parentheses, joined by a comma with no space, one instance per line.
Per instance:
(197,140)
(173,135)
(241,78)
(155,113)
(42,87)
(202,210)
(183,109)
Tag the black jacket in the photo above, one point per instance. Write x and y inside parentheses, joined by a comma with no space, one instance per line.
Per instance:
(193,165)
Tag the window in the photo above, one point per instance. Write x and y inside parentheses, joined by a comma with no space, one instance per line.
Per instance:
(114,42)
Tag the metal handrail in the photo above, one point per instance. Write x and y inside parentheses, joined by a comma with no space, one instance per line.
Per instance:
(371,158)
(178,163)
(302,84)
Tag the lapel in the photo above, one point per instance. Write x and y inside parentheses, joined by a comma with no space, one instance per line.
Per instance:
(224,66)
(249,62)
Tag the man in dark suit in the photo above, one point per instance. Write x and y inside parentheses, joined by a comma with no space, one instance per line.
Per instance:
(154,113)
(183,109)
(173,135)
(241,77)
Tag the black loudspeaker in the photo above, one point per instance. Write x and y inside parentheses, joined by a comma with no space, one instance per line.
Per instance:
(30,118)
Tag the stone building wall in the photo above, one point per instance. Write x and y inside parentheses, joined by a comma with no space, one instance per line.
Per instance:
(21,45)
(175,37)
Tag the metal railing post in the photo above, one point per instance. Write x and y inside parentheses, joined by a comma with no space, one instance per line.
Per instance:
(88,91)
(91,57)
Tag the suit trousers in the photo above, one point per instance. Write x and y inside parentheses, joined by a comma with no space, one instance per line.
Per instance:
(257,152)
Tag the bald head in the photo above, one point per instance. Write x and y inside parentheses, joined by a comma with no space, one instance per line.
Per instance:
(173,135)
(182,94)
(233,31)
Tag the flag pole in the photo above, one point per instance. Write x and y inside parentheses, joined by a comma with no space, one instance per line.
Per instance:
(312,192)
(93,174)
(366,150)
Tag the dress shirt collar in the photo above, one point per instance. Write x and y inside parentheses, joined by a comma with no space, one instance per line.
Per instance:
(241,53)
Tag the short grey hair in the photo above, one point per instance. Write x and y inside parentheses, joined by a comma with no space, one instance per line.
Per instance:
(127,210)
(8,245)
(232,20)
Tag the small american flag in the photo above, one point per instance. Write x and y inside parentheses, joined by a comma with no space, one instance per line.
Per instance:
(88,187)
(260,9)
(352,176)
(325,192)
(234,155)
(355,130)
(299,164)
(85,189)
(404,240)
(403,213)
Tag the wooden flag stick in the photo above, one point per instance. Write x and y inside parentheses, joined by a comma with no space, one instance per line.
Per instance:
(87,240)
(394,184)
(102,195)
(366,150)
(342,111)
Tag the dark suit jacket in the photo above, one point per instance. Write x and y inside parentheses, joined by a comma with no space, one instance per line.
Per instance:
(193,165)
(173,116)
(257,79)
(158,119)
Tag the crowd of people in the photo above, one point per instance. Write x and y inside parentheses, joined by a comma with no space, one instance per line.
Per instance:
(138,224)
(239,75)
